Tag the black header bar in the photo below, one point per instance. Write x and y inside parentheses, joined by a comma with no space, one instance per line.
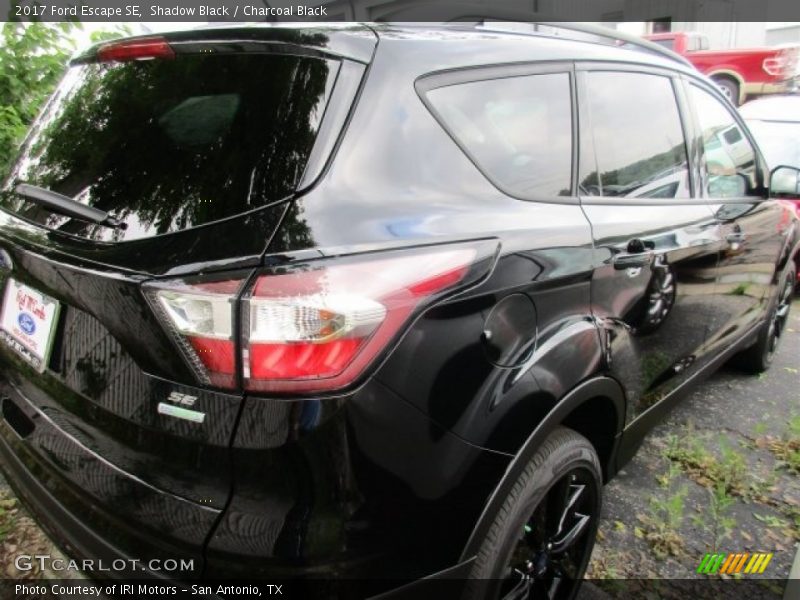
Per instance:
(202,11)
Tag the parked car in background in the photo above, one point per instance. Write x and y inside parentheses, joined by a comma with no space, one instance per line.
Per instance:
(775,123)
(377,302)
(739,72)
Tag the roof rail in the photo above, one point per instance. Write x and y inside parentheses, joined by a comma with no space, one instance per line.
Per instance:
(478,14)
(620,36)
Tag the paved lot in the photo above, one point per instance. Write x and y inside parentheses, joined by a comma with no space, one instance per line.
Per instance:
(720,474)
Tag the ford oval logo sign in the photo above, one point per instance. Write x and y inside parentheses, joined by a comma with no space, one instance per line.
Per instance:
(5,261)
(26,323)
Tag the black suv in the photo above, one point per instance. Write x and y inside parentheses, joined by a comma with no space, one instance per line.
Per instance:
(370,301)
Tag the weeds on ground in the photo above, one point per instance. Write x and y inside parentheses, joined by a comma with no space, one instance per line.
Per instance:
(715,521)
(661,525)
(792,514)
(7,515)
(729,470)
(739,290)
(786,448)
(605,570)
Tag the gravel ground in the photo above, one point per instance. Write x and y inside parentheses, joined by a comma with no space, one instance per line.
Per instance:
(719,475)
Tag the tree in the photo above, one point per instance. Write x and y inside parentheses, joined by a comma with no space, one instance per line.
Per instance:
(32,59)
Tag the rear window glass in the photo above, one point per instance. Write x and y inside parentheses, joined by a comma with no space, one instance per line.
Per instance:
(165,145)
(517,130)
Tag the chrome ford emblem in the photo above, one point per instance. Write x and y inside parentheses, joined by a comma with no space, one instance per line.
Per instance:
(26,323)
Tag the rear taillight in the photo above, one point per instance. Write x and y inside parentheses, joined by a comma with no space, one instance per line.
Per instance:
(135,49)
(783,64)
(310,327)
(200,317)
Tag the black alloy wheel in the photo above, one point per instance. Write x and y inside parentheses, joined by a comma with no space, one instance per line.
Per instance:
(547,560)
(541,538)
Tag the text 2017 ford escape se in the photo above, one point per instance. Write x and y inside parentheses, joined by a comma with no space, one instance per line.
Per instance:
(370,301)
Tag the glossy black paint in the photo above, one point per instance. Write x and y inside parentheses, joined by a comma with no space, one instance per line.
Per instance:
(410,461)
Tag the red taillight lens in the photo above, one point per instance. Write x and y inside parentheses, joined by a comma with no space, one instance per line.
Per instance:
(312,327)
(200,318)
(317,328)
(783,64)
(136,49)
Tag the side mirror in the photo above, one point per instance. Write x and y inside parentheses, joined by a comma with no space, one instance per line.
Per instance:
(728,186)
(784,181)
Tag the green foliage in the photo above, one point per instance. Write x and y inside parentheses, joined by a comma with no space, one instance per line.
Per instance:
(105,35)
(7,515)
(663,522)
(32,59)
(771,520)
(785,448)
(729,469)
(715,520)
(739,290)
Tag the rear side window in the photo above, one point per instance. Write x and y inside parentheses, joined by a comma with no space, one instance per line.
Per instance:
(517,130)
(728,166)
(165,145)
(633,144)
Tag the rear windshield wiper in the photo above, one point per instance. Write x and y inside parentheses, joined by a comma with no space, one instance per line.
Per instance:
(67,206)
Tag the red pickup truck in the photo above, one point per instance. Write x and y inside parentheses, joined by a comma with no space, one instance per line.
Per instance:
(740,72)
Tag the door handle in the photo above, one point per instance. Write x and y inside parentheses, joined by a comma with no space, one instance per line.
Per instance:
(627,260)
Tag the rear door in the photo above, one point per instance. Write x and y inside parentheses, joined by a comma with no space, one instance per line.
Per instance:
(752,231)
(655,237)
(194,146)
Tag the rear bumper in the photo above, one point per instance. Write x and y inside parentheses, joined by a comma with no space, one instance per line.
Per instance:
(779,87)
(83,543)
(70,533)
(105,545)
(390,534)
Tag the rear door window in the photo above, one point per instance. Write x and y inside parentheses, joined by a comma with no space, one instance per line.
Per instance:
(632,138)
(517,130)
(169,144)
(728,167)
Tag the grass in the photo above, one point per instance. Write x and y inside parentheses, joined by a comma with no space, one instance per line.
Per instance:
(728,471)
(725,474)
(661,525)
(786,448)
(8,515)
(739,290)
(715,521)
(606,573)
(771,521)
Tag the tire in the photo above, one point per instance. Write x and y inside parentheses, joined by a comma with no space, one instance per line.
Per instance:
(758,357)
(557,494)
(729,88)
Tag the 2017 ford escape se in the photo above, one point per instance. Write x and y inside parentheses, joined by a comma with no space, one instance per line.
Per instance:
(370,301)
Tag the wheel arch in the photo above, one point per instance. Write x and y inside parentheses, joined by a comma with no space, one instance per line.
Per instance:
(595,409)
(727,74)
(731,75)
